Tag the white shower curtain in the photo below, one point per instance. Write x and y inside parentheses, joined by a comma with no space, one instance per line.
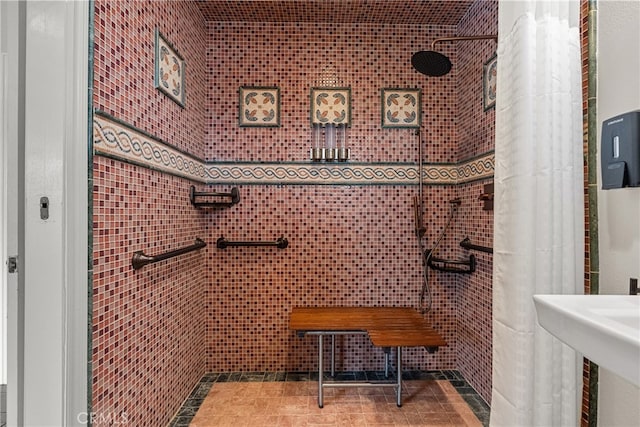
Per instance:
(539,226)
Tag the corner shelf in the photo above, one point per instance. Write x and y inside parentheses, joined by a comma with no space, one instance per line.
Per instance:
(214,199)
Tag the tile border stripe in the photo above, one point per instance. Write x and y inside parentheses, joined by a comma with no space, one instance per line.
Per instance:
(114,139)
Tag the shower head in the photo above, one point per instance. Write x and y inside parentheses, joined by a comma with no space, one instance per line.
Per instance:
(456,202)
(432,63)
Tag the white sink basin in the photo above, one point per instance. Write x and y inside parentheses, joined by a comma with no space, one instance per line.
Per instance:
(604,328)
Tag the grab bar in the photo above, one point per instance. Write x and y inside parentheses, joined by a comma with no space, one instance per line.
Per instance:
(233,195)
(466,243)
(139,258)
(223,243)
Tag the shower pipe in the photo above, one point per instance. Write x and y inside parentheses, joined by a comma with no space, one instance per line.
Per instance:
(234,195)
(223,243)
(420,229)
(466,243)
(139,258)
(427,255)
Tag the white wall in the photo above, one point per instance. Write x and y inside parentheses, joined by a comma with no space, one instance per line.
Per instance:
(618,81)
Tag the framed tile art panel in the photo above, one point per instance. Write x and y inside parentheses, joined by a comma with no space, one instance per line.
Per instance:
(489,73)
(169,70)
(330,105)
(401,107)
(259,106)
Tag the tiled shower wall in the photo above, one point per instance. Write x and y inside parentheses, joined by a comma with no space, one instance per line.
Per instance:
(476,135)
(124,68)
(148,335)
(158,329)
(348,245)
(299,56)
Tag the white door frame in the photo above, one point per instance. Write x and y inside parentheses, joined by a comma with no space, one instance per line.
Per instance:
(50,348)
(13,41)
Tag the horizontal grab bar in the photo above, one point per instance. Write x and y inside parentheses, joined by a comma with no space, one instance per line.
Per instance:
(223,243)
(139,258)
(466,243)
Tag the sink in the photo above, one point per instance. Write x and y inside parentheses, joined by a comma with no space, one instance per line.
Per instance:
(604,328)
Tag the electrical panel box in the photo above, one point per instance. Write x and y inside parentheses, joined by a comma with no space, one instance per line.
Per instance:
(620,151)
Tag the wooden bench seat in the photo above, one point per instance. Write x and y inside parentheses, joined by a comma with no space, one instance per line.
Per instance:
(385,326)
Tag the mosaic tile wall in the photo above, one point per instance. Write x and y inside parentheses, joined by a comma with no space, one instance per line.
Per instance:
(588,18)
(474,292)
(476,135)
(158,329)
(148,337)
(348,245)
(298,56)
(475,127)
(124,66)
(147,341)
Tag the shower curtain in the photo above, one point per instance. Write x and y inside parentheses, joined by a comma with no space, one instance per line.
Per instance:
(538,243)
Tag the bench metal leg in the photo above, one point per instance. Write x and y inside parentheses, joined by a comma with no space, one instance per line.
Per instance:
(320,371)
(387,350)
(322,384)
(399,389)
(333,355)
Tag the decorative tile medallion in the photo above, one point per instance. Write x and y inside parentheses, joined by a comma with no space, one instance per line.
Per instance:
(115,139)
(489,74)
(259,106)
(401,108)
(330,105)
(169,70)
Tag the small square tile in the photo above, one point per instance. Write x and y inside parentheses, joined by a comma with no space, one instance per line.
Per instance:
(275,376)
(300,376)
(181,421)
(252,377)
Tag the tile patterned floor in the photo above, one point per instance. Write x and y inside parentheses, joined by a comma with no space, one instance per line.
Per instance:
(435,398)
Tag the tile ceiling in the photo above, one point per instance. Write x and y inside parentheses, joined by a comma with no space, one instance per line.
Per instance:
(444,12)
